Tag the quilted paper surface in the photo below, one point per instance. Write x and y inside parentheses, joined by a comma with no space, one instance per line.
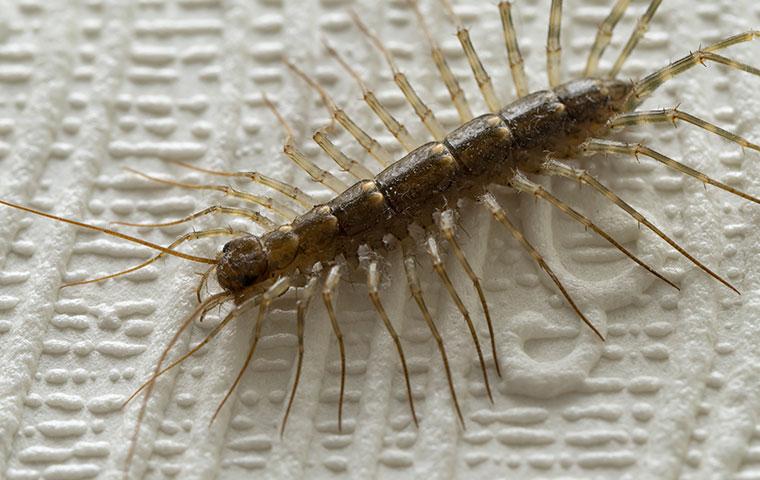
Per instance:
(89,87)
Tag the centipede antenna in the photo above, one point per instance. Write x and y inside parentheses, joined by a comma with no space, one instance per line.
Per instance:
(432,248)
(456,93)
(447,228)
(673,115)
(267,202)
(516,62)
(184,238)
(251,215)
(333,277)
(414,286)
(110,232)
(635,149)
(211,302)
(278,288)
(638,33)
(302,304)
(478,70)
(425,114)
(522,184)
(372,146)
(553,167)
(294,193)
(291,151)
(350,165)
(603,37)
(645,87)
(553,46)
(396,128)
(373,287)
(501,216)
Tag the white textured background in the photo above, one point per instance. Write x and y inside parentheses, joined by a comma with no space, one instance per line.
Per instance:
(90,86)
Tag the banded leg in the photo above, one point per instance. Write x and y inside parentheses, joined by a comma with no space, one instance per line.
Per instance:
(603,36)
(294,193)
(277,289)
(432,248)
(188,237)
(478,70)
(638,33)
(425,114)
(396,128)
(267,202)
(522,184)
(501,216)
(553,47)
(356,169)
(333,277)
(674,114)
(373,286)
(556,168)
(322,176)
(452,84)
(447,228)
(414,286)
(372,146)
(302,304)
(646,86)
(251,215)
(516,62)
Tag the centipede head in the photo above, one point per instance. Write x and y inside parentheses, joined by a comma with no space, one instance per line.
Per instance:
(243,262)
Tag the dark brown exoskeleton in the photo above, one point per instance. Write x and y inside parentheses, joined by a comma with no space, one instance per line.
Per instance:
(530,136)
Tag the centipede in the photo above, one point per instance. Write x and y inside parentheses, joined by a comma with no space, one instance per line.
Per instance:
(383,205)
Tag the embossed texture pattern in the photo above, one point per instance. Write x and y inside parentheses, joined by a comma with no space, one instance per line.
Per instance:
(88,87)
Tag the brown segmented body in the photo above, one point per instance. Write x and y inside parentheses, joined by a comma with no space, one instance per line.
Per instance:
(488,149)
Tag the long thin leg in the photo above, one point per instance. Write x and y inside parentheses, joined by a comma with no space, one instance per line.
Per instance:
(501,216)
(478,70)
(251,215)
(267,202)
(646,86)
(522,184)
(214,232)
(396,128)
(204,282)
(373,286)
(447,228)
(304,297)
(641,28)
(414,286)
(432,248)
(452,84)
(516,62)
(603,36)
(425,114)
(322,176)
(372,146)
(356,169)
(556,168)
(333,277)
(277,289)
(294,193)
(674,114)
(553,47)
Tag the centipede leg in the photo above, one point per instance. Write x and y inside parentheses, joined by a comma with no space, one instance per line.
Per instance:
(603,37)
(553,46)
(638,33)
(432,248)
(333,277)
(373,285)
(522,184)
(416,290)
(516,62)
(501,216)
(553,167)
(304,297)
(447,228)
(673,115)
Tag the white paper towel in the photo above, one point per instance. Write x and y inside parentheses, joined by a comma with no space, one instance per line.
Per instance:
(90,87)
